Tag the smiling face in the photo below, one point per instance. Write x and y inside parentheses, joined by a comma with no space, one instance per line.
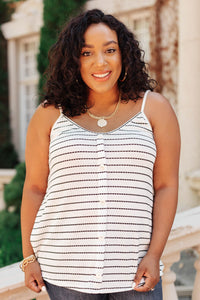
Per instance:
(100,59)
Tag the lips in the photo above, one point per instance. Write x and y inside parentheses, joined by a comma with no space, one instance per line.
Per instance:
(101,75)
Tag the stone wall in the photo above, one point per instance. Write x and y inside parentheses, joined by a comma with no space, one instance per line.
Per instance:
(188,97)
(164,48)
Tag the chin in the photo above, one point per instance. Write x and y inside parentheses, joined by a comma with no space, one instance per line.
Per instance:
(103,89)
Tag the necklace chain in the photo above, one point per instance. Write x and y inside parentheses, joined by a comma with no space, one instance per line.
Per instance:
(105,117)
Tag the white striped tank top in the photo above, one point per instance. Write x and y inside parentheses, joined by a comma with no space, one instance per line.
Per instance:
(95,222)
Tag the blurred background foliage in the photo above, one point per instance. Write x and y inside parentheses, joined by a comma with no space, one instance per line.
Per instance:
(56,14)
(13,190)
(10,237)
(8,155)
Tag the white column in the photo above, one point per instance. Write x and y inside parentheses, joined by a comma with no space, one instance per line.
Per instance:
(189,97)
(2,202)
(196,289)
(169,277)
(13,91)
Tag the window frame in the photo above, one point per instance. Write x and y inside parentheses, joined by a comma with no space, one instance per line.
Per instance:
(24,82)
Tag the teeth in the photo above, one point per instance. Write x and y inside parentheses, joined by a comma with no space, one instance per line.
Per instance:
(101,75)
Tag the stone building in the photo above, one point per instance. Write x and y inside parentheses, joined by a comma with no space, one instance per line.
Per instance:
(168,31)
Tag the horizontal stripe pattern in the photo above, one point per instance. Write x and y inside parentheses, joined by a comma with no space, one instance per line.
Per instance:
(95,222)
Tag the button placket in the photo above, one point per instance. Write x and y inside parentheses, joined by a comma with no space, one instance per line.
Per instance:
(102,211)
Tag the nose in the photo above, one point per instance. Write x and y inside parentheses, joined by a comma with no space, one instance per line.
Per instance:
(100,59)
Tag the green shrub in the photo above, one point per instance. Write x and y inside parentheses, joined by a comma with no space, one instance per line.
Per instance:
(10,237)
(55,14)
(13,190)
(8,155)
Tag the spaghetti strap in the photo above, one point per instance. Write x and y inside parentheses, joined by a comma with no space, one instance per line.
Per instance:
(144,100)
(60,109)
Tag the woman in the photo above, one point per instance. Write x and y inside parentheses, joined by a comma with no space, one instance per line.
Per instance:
(102,158)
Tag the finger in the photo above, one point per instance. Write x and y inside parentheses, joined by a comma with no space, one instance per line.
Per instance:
(34,286)
(148,286)
(151,281)
(39,281)
(139,275)
(144,288)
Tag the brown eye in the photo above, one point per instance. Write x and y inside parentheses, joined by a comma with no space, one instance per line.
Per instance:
(86,53)
(111,50)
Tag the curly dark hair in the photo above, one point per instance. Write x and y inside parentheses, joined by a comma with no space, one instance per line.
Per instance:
(65,87)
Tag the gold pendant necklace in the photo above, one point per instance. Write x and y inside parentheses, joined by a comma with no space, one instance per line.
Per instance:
(102,121)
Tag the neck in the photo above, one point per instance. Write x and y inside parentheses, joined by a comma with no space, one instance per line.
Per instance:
(103,104)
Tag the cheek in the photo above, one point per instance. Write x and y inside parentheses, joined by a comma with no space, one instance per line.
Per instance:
(118,68)
(117,62)
(84,70)
(85,74)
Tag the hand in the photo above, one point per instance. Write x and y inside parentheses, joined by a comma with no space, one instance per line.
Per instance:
(149,268)
(33,277)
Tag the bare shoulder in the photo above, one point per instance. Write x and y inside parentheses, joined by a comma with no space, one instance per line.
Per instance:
(46,112)
(44,117)
(158,102)
(158,109)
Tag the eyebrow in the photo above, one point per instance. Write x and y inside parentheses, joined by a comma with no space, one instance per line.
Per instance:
(105,44)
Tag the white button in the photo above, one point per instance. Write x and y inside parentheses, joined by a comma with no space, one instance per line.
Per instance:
(101,238)
(99,275)
(100,136)
(102,167)
(103,201)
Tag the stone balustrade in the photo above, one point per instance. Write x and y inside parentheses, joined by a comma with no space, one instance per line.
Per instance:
(193,179)
(6,176)
(185,234)
(12,285)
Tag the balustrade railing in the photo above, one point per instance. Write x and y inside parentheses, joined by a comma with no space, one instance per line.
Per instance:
(185,234)
(5,177)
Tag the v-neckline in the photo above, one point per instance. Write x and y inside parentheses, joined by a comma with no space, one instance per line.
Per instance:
(105,132)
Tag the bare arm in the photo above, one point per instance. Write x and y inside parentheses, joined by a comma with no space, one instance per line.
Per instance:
(167,138)
(36,156)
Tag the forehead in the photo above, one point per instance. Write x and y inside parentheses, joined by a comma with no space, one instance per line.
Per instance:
(99,32)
